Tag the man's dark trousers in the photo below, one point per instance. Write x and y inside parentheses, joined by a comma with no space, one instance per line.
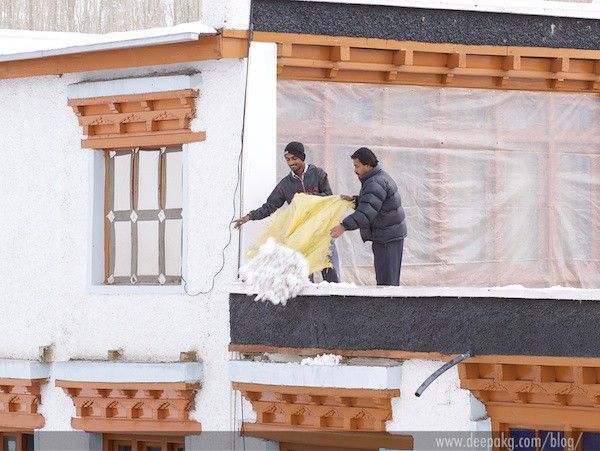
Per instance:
(388,260)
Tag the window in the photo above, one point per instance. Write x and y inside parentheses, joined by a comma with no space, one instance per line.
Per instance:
(524,439)
(117,442)
(143,216)
(16,441)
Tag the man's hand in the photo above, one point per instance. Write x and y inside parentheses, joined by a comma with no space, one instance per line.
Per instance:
(243,220)
(346,197)
(337,231)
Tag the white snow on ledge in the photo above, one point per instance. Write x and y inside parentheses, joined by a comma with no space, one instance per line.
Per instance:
(26,44)
(335,376)
(86,371)
(511,291)
(23,369)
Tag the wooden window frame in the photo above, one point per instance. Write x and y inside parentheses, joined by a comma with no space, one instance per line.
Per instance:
(21,439)
(109,225)
(112,442)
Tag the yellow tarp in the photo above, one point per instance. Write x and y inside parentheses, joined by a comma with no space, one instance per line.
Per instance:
(304,226)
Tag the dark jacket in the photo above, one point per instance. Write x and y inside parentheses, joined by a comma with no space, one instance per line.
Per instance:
(314,182)
(379,214)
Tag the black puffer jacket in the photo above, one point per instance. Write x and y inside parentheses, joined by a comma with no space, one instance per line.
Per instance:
(379,214)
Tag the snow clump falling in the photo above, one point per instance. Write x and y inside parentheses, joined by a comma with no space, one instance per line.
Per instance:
(277,273)
(323,359)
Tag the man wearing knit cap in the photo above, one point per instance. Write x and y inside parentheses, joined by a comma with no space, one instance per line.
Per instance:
(303,178)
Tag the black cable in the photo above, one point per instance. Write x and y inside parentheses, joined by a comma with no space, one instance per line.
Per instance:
(239,170)
(442,369)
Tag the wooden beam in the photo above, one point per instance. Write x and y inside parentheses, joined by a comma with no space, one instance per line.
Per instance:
(154,140)
(205,48)
(404,355)
(340,53)
(389,44)
(457,60)
(403,58)
(130,98)
(284,49)
(512,62)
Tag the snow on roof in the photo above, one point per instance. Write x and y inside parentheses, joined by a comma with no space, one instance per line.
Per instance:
(26,44)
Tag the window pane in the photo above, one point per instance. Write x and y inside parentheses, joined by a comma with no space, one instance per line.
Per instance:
(523,439)
(173,247)
(124,448)
(148,180)
(10,444)
(591,441)
(122,249)
(552,440)
(28,441)
(147,247)
(122,181)
(174,180)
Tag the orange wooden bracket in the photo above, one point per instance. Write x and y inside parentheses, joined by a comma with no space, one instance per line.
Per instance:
(537,394)
(143,120)
(132,407)
(316,408)
(19,400)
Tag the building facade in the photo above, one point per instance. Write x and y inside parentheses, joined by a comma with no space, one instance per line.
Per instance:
(128,155)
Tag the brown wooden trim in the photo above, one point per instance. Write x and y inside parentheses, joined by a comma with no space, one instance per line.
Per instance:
(390,44)
(153,119)
(367,60)
(319,408)
(20,399)
(535,395)
(317,391)
(406,355)
(128,385)
(131,98)
(115,425)
(157,140)
(132,407)
(345,440)
(205,48)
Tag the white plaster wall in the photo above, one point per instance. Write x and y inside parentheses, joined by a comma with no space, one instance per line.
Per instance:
(444,406)
(226,13)
(44,196)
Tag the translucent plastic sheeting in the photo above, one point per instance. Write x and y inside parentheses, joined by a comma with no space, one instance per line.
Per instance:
(499,187)
(305,226)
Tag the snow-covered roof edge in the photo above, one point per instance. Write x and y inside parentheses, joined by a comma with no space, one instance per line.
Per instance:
(533,7)
(510,291)
(55,44)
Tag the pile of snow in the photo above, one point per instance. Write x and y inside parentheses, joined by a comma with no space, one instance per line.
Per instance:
(324,359)
(277,273)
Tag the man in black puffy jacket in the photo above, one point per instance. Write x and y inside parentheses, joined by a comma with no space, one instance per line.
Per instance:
(379,216)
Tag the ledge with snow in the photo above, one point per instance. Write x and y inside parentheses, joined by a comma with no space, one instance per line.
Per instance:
(399,322)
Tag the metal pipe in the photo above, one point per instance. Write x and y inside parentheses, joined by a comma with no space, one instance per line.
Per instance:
(442,369)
